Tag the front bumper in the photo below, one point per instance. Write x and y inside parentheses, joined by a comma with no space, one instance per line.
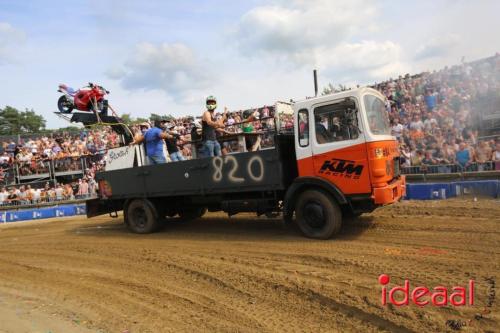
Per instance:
(391,192)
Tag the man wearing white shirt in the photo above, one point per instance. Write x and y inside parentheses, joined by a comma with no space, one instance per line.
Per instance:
(397,128)
(417,124)
(3,196)
(36,194)
(48,152)
(59,192)
(429,121)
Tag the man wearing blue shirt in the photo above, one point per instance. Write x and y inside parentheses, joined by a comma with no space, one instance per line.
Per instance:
(463,156)
(153,139)
(430,100)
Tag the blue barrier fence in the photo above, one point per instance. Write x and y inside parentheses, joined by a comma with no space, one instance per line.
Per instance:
(41,213)
(433,191)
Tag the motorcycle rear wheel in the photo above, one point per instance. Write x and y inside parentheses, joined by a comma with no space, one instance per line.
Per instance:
(64,105)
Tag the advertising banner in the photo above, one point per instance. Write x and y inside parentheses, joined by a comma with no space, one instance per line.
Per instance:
(41,213)
(120,158)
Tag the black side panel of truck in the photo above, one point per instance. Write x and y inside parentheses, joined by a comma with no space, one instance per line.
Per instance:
(264,170)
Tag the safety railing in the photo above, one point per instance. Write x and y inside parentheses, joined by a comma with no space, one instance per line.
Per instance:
(21,172)
(450,168)
(88,160)
(33,169)
(237,140)
(68,166)
(7,176)
(45,200)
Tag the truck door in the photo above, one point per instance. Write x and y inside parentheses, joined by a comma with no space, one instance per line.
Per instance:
(338,146)
(303,149)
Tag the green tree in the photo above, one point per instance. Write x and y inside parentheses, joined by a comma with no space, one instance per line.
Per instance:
(70,129)
(13,121)
(127,118)
(154,117)
(10,122)
(331,89)
(169,117)
(32,122)
(140,120)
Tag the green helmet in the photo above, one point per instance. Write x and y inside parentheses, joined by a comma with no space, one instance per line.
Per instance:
(211,103)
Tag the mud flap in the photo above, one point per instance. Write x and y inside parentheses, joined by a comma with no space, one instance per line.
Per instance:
(96,207)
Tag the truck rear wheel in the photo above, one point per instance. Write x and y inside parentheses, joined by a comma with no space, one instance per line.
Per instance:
(318,215)
(142,217)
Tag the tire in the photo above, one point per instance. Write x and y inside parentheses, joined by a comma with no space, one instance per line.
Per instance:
(64,105)
(317,214)
(349,217)
(103,106)
(348,213)
(142,217)
(192,213)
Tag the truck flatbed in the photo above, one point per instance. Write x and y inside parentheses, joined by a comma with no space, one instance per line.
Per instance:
(203,181)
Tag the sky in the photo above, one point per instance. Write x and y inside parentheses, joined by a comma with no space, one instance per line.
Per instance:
(165,57)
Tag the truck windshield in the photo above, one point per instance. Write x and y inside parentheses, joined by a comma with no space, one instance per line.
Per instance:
(378,119)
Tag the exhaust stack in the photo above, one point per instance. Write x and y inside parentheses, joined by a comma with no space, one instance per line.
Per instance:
(315,74)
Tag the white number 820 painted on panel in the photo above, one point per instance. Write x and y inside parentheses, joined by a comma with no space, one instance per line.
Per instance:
(218,163)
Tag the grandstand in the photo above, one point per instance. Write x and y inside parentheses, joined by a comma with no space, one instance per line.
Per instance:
(447,121)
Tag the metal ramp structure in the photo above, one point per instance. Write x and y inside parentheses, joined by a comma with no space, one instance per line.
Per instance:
(64,116)
(89,119)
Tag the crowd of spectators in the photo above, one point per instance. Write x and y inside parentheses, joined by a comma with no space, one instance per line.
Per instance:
(27,195)
(31,154)
(436,115)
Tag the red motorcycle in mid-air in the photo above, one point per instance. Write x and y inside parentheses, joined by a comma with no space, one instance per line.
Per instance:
(89,98)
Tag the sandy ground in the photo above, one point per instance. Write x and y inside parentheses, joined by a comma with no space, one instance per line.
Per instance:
(249,274)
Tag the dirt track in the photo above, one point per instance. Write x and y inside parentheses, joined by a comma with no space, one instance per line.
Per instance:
(249,275)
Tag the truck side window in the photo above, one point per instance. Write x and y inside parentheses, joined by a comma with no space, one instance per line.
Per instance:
(303,123)
(336,122)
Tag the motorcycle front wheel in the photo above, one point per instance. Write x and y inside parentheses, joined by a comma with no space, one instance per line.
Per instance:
(102,107)
(64,105)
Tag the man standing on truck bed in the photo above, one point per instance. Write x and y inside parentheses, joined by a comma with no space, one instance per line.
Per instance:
(153,139)
(209,126)
(173,150)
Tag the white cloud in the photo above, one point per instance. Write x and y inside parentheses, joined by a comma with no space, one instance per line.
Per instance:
(301,24)
(365,55)
(326,34)
(437,47)
(115,73)
(9,39)
(172,68)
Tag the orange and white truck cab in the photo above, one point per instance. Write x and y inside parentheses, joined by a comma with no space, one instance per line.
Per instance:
(345,139)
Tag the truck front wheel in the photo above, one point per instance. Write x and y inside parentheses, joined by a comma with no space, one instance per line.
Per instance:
(318,214)
(142,217)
